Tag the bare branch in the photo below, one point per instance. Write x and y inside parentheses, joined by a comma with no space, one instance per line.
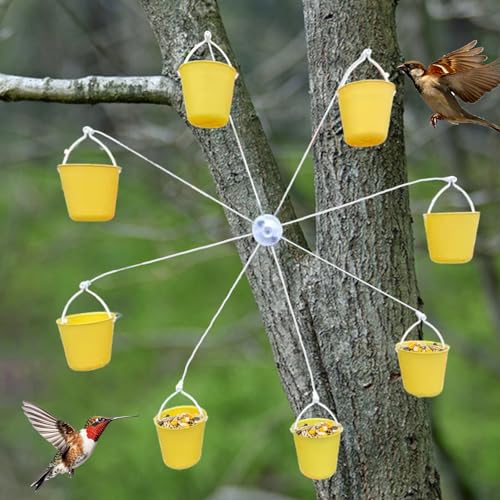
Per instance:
(89,90)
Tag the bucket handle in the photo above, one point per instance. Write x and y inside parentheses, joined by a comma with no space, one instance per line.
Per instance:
(84,287)
(207,39)
(366,55)
(315,402)
(88,134)
(422,319)
(452,182)
(179,390)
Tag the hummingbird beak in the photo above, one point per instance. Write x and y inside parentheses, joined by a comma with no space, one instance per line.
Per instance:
(123,416)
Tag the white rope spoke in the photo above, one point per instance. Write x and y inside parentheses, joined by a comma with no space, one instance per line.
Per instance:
(295,322)
(171,174)
(168,257)
(216,315)
(306,153)
(449,180)
(369,285)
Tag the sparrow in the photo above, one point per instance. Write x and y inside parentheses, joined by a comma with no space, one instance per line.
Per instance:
(73,447)
(461,73)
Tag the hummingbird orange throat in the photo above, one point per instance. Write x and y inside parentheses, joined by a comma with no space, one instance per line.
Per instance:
(73,447)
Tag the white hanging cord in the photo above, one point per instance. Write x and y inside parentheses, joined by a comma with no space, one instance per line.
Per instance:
(87,134)
(168,172)
(296,324)
(310,405)
(180,384)
(167,257)
(331,264)
(84,287)
(365,55)
(184,393)
(207,39)
(209,42)
(450,180)
(422,318)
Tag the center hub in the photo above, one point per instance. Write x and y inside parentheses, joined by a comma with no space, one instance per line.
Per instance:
(267,230)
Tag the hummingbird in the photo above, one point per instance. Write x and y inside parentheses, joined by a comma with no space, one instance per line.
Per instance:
(73,447)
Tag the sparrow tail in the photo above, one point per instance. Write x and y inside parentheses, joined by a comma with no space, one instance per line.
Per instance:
(480,121)
(39,482)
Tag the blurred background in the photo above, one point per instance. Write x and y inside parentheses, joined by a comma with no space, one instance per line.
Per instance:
(248,450)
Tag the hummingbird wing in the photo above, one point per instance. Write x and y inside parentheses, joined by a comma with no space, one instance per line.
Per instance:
(55,431)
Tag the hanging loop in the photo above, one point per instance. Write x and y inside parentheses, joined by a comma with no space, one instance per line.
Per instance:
(88,133)
(422,319)
(84,287)
(207,40)
(452,181)
(366,55)
(315,402)
(179,390)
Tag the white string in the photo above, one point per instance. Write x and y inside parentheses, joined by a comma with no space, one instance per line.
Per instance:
(84,287)
(310,405)
(168,172)
(404,304)
(87,134)
(296,323)
(208,41)
(180,384)
(458,188)
(449,180)
(167,257)
(365,55)
(184,393)
(425,322)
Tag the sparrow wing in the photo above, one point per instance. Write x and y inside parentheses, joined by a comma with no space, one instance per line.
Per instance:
(53,430)
(463,59)
(471,85)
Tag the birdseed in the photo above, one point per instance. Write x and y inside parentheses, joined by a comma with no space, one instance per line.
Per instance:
(317,430)
(423,347)
(180,421)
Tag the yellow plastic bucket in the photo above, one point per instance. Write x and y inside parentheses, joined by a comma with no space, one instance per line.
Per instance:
(365,111)
(422,372)
(317,457)
(181,448)
(451,236)
(90,190)
(87,339)
(208,88)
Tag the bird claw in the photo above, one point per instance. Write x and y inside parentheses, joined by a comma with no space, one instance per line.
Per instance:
(434,119)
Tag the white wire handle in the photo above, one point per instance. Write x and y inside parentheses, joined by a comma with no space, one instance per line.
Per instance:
(88,133)
(452,182)
(315,402)
(84,287)
(422,318)
(179,390)
(366,55)
(207,40)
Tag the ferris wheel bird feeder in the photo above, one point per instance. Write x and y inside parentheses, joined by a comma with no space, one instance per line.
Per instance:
(208,86)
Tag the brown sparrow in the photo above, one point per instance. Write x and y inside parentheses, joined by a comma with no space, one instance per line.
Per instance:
(460,73)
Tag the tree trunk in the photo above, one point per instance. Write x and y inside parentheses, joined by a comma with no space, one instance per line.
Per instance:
(349,331)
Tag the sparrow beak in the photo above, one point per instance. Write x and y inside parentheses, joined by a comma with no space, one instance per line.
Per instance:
(123,416)
(402,67)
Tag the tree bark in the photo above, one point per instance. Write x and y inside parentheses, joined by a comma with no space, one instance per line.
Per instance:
(349,332)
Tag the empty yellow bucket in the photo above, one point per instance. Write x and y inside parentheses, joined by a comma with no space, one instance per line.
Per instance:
(207,87)
(181,448)
(317,457)
(451,236)
(422,372)
(365,111)
(90,190)
(87,339)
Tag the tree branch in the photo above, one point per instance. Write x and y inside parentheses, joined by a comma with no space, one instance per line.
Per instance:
(89,90)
